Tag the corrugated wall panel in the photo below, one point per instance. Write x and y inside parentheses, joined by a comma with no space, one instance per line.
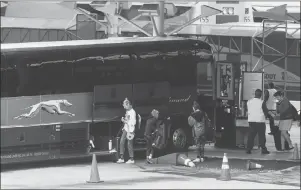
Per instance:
(34,35)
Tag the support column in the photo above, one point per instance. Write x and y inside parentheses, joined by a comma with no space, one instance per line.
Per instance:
(114,30)
(159,20)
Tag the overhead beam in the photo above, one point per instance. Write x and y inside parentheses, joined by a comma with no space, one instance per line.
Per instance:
(159,20)
(133,24)
(90,17)
(205,12)
(156,12)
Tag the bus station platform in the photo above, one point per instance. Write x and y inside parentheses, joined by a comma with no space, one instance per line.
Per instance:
(279,172)
(212,152)
(131,176)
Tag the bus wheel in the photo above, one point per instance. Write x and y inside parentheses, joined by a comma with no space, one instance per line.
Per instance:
(179,139)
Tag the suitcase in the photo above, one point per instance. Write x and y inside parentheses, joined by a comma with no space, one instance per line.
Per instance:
(277,140)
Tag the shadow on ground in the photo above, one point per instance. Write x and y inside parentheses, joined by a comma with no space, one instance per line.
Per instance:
(127,181)
(274,172)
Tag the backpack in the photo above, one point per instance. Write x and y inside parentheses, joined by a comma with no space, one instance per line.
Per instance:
(294,112)
(159,140)
(138,121)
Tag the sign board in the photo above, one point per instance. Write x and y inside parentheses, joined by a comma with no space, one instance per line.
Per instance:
(251,82)
(225,81)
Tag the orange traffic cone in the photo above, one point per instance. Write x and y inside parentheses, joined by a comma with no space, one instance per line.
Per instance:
(182,159)
(296,152)
(94,176)
(251,165)
(225,175)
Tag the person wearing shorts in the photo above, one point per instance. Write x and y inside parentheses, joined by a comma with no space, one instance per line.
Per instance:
(286,119)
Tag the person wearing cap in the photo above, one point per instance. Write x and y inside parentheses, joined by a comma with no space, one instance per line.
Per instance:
(257,112)
(271,106)
(129,122)
(284,108)
(197,121)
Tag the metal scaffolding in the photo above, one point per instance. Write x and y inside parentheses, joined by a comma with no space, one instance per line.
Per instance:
(252,40)
(257,43)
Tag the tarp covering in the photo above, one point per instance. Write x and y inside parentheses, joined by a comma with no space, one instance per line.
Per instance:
(39,10)
(36,23)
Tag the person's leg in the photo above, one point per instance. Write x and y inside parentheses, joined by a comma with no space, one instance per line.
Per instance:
(122,145)
(198,146)
(287,138)
(251,136)
(202,146)
(131,149)
(272,125)
(285,126)
(261,128)
(282,140)
(149,143)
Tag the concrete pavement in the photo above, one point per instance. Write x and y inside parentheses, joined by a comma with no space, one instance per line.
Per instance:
(131,176)
(116,176)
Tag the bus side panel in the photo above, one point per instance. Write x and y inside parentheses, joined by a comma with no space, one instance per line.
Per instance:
(3,111)
(75,138)
(29,156)
(23,136)
(148,96)
(181,99)
(47,109)
(78,107)
(23,111)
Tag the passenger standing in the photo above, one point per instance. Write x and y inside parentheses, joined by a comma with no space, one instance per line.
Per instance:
(150,128)
(197,121)
(284,108)
(257,112)
(129,127)
(271,105)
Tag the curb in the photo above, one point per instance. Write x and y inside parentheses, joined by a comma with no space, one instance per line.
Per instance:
(254,159)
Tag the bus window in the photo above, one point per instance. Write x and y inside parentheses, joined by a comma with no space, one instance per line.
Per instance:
(150,67)
(116,69)
(3,76)
(181,69)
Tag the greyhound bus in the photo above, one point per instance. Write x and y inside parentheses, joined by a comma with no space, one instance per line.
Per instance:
(56,96)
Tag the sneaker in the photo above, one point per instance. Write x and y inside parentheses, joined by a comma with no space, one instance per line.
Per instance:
(149,161)
(119,161)
(265,152)
(249,152)
(130,162)
(291,148)
(197,160)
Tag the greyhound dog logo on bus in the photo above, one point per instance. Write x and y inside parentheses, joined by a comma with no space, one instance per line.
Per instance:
(50,106)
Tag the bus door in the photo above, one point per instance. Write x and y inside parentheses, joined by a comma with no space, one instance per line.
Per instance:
(149,96)
(107,111)
(205,90)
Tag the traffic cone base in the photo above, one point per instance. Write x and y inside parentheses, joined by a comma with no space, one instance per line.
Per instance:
(296,152)
(182,159)
(166,159)
(94,176)
(225,174)
(251,165)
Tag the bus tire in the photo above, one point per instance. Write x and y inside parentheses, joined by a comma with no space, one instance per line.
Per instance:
(179,140)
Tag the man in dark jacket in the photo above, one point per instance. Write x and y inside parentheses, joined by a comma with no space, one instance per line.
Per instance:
(284,108)
(150,128)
